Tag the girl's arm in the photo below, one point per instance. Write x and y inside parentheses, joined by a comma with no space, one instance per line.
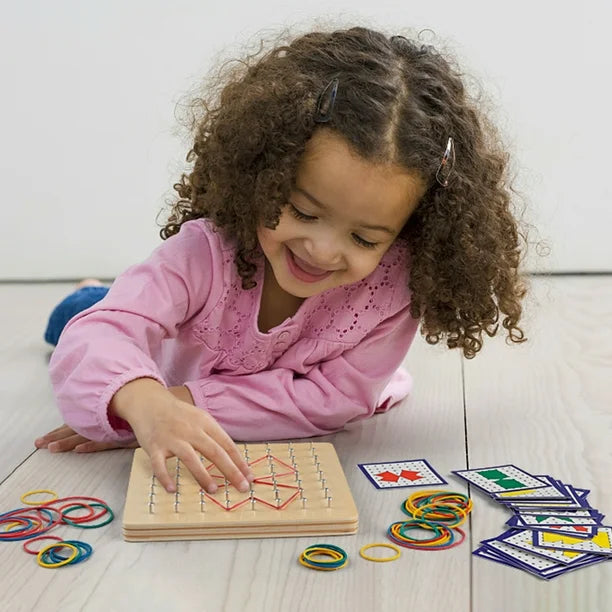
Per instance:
(64,438)
(279,403)
(104,370)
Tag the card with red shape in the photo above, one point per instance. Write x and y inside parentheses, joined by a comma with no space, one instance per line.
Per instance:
(397,474)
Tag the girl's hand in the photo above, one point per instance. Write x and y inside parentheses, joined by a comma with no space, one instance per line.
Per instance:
(65,438)
(167,426)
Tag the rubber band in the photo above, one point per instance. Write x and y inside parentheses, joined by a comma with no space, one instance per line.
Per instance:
(38,526)
(436,510)
(398,552)
(35,492)
(11,524)
(35,552)
(85,551)
(81,524)
(337,554)
(457,516)
(17,521)
(91,516)
(443,538)
(442,499)
(66,561)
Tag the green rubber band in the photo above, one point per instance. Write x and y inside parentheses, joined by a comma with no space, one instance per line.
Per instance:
(111,516)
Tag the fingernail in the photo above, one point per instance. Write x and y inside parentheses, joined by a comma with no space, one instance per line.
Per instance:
(170,488)
(212,488)
(52,447)
(243,487)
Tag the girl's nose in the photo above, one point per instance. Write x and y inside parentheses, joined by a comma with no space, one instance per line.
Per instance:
(324,251)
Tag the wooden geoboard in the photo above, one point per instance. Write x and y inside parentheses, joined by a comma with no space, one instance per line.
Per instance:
(299,490)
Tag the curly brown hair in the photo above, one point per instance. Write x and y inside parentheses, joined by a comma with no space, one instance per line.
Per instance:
(397,102)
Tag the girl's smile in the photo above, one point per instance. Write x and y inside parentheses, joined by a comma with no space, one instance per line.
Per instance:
(303,270)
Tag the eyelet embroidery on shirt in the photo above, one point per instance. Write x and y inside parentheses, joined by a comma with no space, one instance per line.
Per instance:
(352,310)
(344,315)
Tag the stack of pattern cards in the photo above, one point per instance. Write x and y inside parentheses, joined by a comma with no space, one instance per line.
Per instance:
(553,529)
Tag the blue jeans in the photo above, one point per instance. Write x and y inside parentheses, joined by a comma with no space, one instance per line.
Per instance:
(70,306)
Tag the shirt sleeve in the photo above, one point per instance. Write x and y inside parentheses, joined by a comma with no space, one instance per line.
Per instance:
(118,339)
(279,403)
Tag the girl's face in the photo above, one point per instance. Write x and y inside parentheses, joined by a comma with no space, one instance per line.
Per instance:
(342,216)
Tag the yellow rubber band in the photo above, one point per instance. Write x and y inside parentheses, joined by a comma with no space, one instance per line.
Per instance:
(9,526)
(382,545)
(59,563)
(35,492)
(409,503)
(322,569)
(432,516)
(310,553)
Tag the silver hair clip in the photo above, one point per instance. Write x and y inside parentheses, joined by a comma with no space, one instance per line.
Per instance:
(326,101)
(447,164)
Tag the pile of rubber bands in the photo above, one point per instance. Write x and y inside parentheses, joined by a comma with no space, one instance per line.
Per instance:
(38,518)
(311,557)
(442,512)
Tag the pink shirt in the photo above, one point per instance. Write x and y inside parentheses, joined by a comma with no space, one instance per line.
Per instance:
(182,317)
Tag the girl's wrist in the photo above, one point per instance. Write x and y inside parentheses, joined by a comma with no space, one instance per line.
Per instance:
(134,396)
(182,393)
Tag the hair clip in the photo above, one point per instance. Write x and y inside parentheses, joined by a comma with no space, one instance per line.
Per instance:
(447,164)
(325,104)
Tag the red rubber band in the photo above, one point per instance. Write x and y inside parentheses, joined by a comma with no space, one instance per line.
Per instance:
(32,552)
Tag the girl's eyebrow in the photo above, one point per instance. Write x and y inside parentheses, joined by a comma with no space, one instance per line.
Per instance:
(381,228)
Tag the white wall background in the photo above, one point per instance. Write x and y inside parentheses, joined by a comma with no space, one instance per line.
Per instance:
(89,148)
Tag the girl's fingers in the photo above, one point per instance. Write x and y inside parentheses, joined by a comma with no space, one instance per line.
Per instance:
(217,455)
(192,462)
(61,428)
(222,438)
(66,444)
(57,434)
(91,446)
(158,464)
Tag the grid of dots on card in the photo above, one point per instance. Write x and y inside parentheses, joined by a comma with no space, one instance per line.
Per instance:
(501,478)
(408,473)
(299,490)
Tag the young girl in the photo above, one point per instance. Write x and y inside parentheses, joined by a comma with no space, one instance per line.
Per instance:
(344,189)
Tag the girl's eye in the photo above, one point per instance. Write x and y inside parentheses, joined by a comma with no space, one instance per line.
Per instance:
(298,214)
(364,243)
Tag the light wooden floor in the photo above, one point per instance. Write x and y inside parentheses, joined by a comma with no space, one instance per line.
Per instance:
(545,406)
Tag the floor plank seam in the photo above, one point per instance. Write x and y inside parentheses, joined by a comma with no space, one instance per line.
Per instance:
(17,467)
(467,467)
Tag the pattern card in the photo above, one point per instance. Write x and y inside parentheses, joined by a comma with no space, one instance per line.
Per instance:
(579,531)
(552,492)
(544,520)
(569,513)
(408,473)
(524,540)
(599,544)
(501,478)
(520,559)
